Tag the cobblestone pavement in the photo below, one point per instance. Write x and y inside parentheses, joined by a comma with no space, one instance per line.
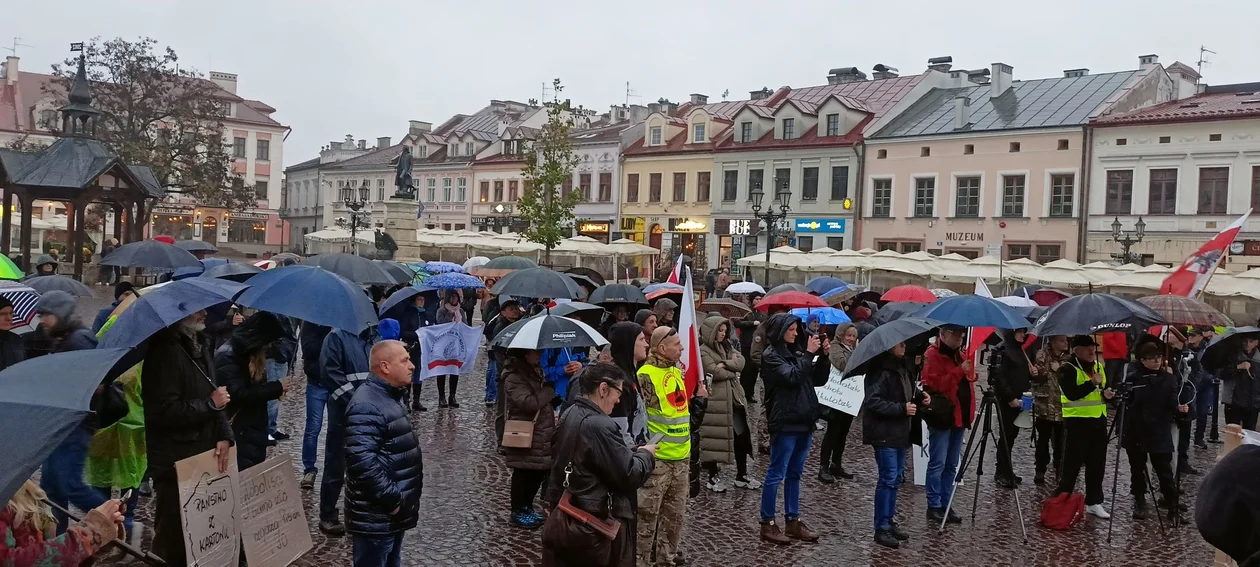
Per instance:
(466,493)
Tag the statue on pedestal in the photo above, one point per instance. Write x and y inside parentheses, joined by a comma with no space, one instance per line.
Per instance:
(402,176)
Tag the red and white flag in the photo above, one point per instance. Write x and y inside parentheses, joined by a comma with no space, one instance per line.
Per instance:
(1197,269)
(675,276)
(689,331)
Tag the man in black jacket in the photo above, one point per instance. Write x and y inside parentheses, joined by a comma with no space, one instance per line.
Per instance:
(384,466)
(1148,421)
(1010,375)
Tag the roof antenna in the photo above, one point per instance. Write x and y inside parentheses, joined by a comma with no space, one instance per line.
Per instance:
(16,44)
(1203,51)
(726,93)
(630,93)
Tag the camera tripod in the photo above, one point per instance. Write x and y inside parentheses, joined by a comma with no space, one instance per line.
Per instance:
(1125,393)
(988,405)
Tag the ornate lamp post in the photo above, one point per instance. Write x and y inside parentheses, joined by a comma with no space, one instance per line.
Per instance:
(1127,238)
(359,219)
(770,217)
(501,217)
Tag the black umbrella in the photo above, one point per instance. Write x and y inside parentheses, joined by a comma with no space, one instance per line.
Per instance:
(618,293)
(894,311)
(545,331)
(1095,313)
(593,275)
(502,266)
(234,271)
(196,246)
(399,272)
(884,337)
(45,284)
(42,400)
(584,282)
(787,287)
(1214,356)
(352,267)
(150,254)
(537,282)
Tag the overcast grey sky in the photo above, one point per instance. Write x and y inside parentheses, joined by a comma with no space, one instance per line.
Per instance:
(366,67)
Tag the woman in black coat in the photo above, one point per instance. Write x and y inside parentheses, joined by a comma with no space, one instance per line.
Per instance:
(1150,414)
(888,423)
(241,366)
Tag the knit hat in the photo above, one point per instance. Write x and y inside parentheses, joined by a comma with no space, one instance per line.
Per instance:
(1227,510)
(57,303)
(862,313)
(389,329)
(123,287)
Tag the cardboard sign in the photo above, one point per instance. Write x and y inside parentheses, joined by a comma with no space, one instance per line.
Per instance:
(919,455)
(845,395)
(274,530)
(208,509)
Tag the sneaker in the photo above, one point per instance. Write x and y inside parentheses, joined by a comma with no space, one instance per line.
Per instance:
(308,481)
(770,532)
(825,477)
(896,532)
(146,488)
(886,539)
(135,535)
(280,436)
(1097,510)
(523,519)
(271,441)
(679,560)
(333,528)
(533,513)
(749,483)
(715,484)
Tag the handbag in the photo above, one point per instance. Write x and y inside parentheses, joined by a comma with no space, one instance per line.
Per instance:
(576,535)
(1062,511)
(939,414)
(519,433)
(110,405)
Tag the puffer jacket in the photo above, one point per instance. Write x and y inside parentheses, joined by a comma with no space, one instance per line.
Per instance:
(888,388)
(384,466)
(717,433)
(790,375)
(248,409)
(528,397)
(344,361)
(605,471)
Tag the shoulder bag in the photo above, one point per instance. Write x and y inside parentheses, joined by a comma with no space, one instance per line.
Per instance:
(574,534)
(519,433)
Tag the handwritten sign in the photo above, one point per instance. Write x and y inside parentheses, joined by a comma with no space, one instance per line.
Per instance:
(845,395)
(274,530)
(919,455)
(208,509)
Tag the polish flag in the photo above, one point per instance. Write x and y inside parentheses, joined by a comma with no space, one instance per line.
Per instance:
(689,331)
(1197,269)
(675,276)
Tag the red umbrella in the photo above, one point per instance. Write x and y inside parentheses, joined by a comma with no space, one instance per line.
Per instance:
(791,300)
(909,293)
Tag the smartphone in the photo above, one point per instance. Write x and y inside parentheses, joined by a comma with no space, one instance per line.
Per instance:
(656,439)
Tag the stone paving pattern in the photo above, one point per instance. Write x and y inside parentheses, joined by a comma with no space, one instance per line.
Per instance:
(465,521)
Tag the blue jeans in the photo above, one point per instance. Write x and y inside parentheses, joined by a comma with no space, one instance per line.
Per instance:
(1205,403)
(129,516)
(62,476)
(275,372)
(334,461)
(378,550)
(944,450)
(492,376)
(316,399)
(892,463)
(787,462)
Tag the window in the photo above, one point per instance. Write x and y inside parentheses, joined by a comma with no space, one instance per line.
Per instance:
(755,178)
(1214,137)
(461,189)
(1163,194)
(882,245)
(498,191)
(605,187)
(260,190)
(459,226)
(881,154)
(925,151)
(969,149)
(380,189)
(680,187)
(1017,251)
(1122,141)
(513,191)
(730,184)
(1255,187)
(968,253)
(238,147)
(804,243)
(967,197)
(485,191)
(446,189)
(1012,195)
(584,186)
(655,140)
(632,188)
(654,187)
(1064,144)
(264,150)
(423,151)
(1014,147)
(1062,194)
(833,124)
(697,133)
(839,182)
(809,184)
(924,196)
(446,226)
(835,242)
(745,132)
(469,149)
(455,149)
(566,187)
(703,179)
(1047,253)
(48,119)
(1119,192)
(908,247)
(431,190)
(789,128)
(881,201)
(247,230)
(1213,190)
(1165,139)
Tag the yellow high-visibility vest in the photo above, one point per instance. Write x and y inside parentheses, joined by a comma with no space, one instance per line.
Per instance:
(1092,405)
(673,418)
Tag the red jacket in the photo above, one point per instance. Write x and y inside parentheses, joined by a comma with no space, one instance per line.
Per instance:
(1115,346)
(941,377)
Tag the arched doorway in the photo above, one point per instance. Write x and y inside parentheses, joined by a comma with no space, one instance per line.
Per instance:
(654,236)
(210,230)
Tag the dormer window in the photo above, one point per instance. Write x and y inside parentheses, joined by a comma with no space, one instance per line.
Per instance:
(655,139)
(698,133)
(469,149)
(745,132)
(833,124)
(423,151)
(789,128)
(455,149)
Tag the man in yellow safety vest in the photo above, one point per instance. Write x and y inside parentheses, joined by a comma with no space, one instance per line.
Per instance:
(1085,391)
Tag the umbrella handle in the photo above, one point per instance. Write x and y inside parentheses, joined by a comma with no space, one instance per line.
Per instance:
(149,558)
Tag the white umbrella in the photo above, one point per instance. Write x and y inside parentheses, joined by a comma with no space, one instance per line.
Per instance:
(1016,301)
(584,246)
(475,261)
(627,247)
(335,235)
(745,287)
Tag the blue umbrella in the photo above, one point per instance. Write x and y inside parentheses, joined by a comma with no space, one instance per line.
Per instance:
(450,280)
(191,271)
(42,400)
(973,311)
(824,284)
(825,315)
(150,254)
(444,268)
(311,294)
(403,295)
(166,305)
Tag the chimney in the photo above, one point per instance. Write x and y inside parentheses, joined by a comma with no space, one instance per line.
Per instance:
(383,142)
(958,78)
(11,70)
(978,76)
(1000,81)
(654,107)
(226,81)
(765,92)
(699,99)
(417,127)
(882,71)
(1072,73)
(503,126)
(638,113)
(845,75)
(1185,80)
(362,144)
(334,146)
(670,108)
(941,64)
(962,112)
(1145,60)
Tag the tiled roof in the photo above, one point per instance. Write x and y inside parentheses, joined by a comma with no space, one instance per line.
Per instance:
(1219,106)
(1041,103)
(678,144)
(601,135)
(313,162)
(381,156)
(500,158)
(71,163)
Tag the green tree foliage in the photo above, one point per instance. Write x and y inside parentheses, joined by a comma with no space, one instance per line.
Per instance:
(549,162)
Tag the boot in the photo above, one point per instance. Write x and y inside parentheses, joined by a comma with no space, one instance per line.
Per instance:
(886,539)
(441,392)
(333,528)
(771,533)
(896,532)
(825,477)
(1181,506)
(952,518)
(935,515)
(1141,510)
(796,529)
(1039,478)
(454,386)
(839,472)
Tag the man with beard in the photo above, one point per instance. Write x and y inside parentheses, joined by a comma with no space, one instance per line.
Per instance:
(183,415)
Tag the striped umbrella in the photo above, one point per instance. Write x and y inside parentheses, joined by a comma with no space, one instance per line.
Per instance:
(548,331)
(24,299)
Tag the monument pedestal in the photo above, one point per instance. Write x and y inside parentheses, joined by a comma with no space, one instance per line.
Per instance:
(401,224)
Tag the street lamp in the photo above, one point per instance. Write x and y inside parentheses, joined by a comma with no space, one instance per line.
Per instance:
(500,218)
(770,217)
(359,219)
(1127,238)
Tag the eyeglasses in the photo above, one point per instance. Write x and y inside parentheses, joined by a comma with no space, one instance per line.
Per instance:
(611,387)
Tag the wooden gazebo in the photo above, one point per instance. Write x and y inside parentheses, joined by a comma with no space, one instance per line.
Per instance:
(78,170)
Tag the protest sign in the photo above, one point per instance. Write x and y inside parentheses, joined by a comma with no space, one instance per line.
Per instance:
(274,531)
(208,510)
(845,395)
(449,348)
(919,455)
